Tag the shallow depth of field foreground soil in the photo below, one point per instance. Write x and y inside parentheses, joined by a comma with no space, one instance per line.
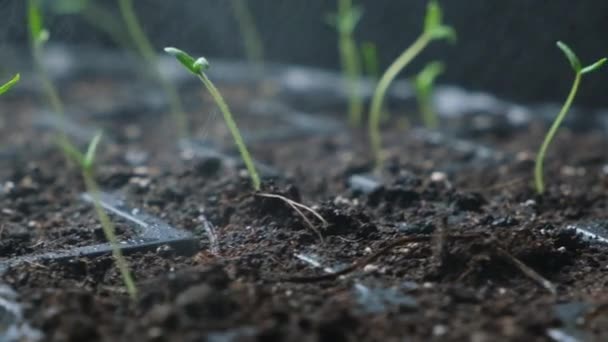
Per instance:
(449,243)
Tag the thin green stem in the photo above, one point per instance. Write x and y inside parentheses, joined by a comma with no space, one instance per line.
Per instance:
(351,65)
(147,52)
(109,231)
(379,94)
(429,117)
(540,157)
(236,135)
(252,40)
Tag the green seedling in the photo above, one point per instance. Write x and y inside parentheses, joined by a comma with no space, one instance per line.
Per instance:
(198,68)
(579,71)
(146,51)
(95,15)
(8,85)
(86,163)
(345,22)
(38,37)
(254,49)
(434,29)
(371,65)
(424,84)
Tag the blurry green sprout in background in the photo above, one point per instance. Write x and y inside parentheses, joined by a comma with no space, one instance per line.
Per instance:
(254,49)
(198,68)
(424,84)
(433,30)
(579,71)
(345,21)
(8,85)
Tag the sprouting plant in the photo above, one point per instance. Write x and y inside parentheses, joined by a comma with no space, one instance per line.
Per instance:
(254,49)
(371,65)
(579,71)
(8,85)
(345,22)
(198,68)
(434,29)
(424,83)
(147,53)
(86,163)
(97,16)
(38,37)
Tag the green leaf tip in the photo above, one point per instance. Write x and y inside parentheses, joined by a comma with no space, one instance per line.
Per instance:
(425,79)
(8,85)
(38,33)
(89,157)
(195,66)
(570,55)
(594,66)
(433,23)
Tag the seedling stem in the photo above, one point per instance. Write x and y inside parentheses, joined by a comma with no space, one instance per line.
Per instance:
(579,71)
(8,85)
(424,84)
(254,49)
(86,162)
(433,30)
(198,68)
(147,52)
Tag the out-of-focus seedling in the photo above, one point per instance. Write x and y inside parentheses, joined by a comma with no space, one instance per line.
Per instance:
(434,29)
(38,37)
(86,163)
(371,65)
(424,84)
(345,22)
(147,52)
(97,16)
(579,71)
(254,49)
(8,85)
(198,68)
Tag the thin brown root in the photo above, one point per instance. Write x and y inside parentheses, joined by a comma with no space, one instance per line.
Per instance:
(527,270)
(297,208)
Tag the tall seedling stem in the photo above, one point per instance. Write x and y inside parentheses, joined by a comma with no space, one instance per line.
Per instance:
(345,22)
(147,52)
(86,162)
(198,68)
(579,71)
(433,30)
(254,49)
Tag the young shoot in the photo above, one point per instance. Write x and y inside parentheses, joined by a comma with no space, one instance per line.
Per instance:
(579,71)
(8,85)
(145,49)
(345,22)
(38,37)
(434,29)
(198,68)
(254,49)
(424,83)
(86,162)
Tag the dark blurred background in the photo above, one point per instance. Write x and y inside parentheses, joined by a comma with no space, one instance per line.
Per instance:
(504,47)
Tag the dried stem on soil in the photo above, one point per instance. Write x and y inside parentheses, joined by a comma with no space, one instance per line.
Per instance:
(526,270)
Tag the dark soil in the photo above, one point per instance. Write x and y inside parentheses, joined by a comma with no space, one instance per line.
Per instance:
(453,245)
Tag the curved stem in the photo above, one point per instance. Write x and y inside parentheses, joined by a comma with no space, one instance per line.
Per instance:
(540,157)
(234,130)
(376,107)
(110,232)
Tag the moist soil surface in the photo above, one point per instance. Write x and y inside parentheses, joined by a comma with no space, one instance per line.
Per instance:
(451,243)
